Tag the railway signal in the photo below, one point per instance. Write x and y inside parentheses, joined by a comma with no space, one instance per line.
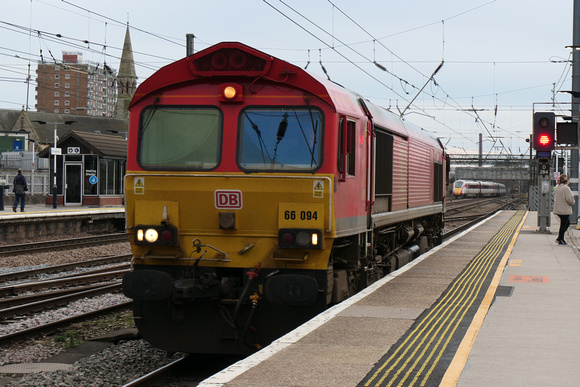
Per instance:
(544,132)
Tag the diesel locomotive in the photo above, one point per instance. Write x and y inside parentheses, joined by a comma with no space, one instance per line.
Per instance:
(258,195)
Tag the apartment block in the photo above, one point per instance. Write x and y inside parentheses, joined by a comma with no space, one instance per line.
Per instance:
(76,87)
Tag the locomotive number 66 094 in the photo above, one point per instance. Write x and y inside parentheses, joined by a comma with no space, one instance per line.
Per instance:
(304,215)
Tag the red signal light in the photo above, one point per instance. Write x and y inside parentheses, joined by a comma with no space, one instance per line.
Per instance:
(544,131)
(544,140)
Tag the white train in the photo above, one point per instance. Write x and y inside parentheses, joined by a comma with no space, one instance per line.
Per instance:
(467,188)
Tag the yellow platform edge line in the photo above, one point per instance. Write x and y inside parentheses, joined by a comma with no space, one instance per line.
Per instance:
(451,377)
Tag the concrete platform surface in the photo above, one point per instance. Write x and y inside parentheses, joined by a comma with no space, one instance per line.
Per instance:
(532,336)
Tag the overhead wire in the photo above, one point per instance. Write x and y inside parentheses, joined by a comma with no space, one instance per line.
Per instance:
(45,36)
(121,23)
(374,39)
(327,44)
(446,101)
(350,61)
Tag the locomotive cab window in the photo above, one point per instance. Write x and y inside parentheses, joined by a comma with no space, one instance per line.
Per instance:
(346,148)
(280,139)
(180,138)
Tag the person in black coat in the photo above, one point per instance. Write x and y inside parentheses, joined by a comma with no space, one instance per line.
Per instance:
(20,187)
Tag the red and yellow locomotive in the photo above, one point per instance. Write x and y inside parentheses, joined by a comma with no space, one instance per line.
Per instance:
(258,194)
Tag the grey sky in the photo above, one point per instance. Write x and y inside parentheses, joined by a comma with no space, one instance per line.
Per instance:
(500,56)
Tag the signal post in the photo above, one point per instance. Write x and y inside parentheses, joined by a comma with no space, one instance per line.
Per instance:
(543,143)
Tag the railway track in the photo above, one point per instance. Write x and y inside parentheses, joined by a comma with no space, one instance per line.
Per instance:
(467,221)
(95,276)
(37,247)
(29,294)
(460,206)
(62,268)
(189,370)
(55,325)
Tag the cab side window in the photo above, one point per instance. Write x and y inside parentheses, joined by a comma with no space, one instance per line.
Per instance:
(346,148)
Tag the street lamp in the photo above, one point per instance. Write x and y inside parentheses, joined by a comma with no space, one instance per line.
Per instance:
(53,150)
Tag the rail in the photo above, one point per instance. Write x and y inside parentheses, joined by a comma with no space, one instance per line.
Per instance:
(61,243)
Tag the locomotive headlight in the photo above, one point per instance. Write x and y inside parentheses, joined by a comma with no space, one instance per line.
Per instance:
(151,235)
(314,239)
(164,235)
(300,238)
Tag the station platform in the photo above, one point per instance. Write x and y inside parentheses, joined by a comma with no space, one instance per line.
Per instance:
(43,209)
(498,305)
(42,220)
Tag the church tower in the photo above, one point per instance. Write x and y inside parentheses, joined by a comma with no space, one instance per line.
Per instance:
(126,79)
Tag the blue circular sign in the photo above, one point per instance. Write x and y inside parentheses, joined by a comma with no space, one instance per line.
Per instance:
(93,179)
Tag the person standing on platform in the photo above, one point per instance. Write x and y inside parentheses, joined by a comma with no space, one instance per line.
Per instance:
(20,187)
(563,202)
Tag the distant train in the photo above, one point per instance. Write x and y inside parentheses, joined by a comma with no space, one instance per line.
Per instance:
(466,188)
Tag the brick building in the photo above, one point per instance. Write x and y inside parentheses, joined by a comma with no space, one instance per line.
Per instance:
(76,87)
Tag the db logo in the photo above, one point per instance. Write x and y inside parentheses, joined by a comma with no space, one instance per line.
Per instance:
(231,199)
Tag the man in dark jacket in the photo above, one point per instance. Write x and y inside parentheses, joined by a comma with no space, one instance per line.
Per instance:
(20,187)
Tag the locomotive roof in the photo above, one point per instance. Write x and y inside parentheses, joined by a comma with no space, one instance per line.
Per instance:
(259,65)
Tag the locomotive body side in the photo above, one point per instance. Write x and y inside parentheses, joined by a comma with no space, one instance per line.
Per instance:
(257,195)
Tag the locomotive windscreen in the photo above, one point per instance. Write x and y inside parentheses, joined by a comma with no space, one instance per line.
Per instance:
(280,139)
(180,138)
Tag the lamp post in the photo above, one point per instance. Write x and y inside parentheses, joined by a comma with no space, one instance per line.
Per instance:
(53,150)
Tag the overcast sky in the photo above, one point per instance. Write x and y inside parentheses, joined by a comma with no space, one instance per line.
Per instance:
(500,57)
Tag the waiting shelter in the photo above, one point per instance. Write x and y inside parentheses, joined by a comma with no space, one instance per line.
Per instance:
(90,169)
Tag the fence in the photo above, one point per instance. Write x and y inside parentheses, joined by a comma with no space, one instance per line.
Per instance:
(28,161)
(35,169)
(39,183)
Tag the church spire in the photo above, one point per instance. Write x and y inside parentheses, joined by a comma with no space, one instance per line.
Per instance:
(126,78)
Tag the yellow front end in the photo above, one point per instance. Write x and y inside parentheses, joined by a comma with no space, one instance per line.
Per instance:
(233,220)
